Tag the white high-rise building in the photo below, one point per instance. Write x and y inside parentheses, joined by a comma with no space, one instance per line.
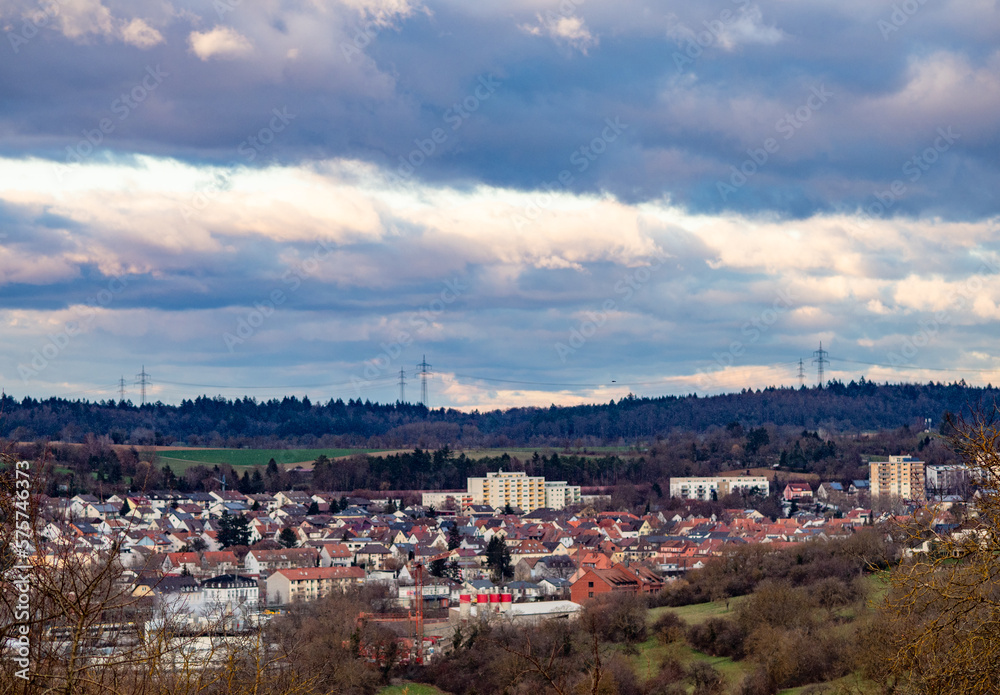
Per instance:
(516,488)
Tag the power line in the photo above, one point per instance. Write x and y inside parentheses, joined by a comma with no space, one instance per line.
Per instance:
(820,361)
(379,380)
(926,369)
(423,380)
(143,382)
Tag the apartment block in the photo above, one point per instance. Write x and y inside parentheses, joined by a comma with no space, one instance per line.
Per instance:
(518,489)
(717,487)
(901,477)
(559,495)
(291,585)
(508,487)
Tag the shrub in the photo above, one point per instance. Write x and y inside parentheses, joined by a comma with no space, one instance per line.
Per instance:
(669,627)
(718,637)
(707,680)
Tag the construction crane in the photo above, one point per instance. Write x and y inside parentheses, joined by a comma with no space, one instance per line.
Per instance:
(415,616)
(418,612)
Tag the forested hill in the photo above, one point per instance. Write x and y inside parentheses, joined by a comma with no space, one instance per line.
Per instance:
(204,421)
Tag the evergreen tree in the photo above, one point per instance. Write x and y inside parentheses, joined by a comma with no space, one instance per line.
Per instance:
(257,482)
(233,530)
(498,560)
(287,538)
(313,509)
(453,571)
(454,537)
(438,566)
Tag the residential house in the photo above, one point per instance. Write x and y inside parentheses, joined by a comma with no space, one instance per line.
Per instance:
(798,491)
(595,582)
(264,562)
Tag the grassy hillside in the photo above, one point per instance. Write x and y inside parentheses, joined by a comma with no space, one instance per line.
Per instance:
(181,459)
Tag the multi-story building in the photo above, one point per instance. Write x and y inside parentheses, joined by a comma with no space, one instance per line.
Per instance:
(516,488)
(559,495)
(291,585)
(947,480)
(901,477)
(717,487)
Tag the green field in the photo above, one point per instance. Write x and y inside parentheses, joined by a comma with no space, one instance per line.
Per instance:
(182,459)
(697,613)
(527,452)
(410,689)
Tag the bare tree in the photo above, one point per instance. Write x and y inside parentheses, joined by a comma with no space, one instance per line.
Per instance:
(936,632)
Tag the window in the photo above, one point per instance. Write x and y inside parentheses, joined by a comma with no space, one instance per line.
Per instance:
(590,585)
(590,594)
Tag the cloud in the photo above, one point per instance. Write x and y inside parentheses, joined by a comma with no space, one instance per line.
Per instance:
(569,30)
(728,29)
(205,200)
(749,28)
(83,20)
(385,13)
(221,42)
(139,34)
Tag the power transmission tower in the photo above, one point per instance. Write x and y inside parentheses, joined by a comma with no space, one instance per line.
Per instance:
(820,361)
(402,386)
(423,380)
(121,389)
(802,373)
(142,379)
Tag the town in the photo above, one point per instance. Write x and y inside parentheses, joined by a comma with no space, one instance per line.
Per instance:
(514,544)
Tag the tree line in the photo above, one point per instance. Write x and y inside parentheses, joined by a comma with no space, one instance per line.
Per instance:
(220,422)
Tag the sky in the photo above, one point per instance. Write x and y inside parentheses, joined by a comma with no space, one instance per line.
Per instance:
(546,202)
